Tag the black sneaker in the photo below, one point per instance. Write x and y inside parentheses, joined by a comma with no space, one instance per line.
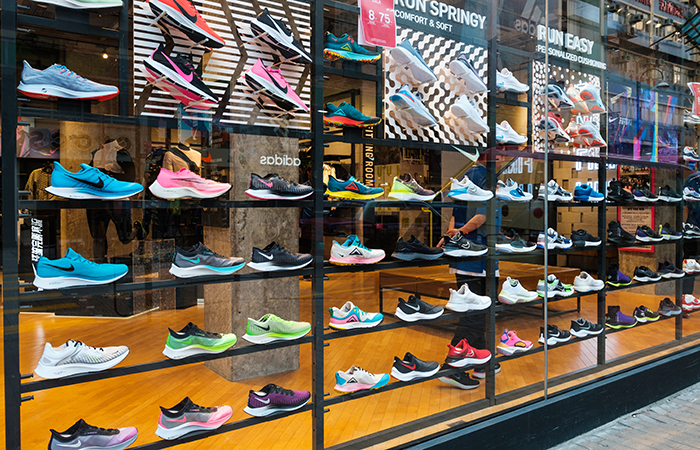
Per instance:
(273,258)
(459,245)
(461,380)
(416,309)
(647,234)
(554,335)
(480,372)
(582,328)
(582,238)
(617,278)
(645,274)
(666,194)
(644,195)
(667,308)
(617,194)
(669,233)
(618,236)
(516,244)
(278,36)
(274,187)
(668,270)
(415,249)
(644,314)
(93,437)
(409,368)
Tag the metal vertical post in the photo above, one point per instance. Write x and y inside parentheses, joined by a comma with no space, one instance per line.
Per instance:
(125,72)
(602,252)
(317,39)
(680,211)
(10,284)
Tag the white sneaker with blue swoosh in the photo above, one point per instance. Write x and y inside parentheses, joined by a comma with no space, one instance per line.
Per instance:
(506,135)
(506,82)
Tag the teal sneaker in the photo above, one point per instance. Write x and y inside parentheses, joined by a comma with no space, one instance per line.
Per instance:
(347,115)
(346,48)
(192,341)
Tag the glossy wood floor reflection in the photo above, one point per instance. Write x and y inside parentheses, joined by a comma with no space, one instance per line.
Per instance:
(133,400)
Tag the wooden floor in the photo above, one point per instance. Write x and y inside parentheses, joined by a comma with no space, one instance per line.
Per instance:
(133,400)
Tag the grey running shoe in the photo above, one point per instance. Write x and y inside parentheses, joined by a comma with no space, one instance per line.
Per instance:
(274,257)
(186,417)
(58,81)
(274,187)
(516,244)
(200,261)
(459,245)
(76,358)
(667,308)
(84,436)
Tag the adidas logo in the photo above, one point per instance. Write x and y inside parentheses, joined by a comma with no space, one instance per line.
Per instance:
(276,160)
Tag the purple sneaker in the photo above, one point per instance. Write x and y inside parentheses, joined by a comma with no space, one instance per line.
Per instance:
(273,399)
(84,436)
(617,278)
(616,319)
(644,195)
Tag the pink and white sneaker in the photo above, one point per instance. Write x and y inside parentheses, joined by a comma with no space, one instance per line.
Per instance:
(172,185)
(690,302)
(350,317)
(591,134)
(186,417)
(270,83)
(511,344)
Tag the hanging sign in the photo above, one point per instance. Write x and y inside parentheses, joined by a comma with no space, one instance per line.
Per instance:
(376,23)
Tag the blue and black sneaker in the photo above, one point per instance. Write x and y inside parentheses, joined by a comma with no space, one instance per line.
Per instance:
(406,55)
(347,115)
(585,193)
(351,189)
(74,270)
(345,47)
(89,182)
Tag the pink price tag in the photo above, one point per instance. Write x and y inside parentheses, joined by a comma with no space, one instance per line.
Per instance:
(377,23)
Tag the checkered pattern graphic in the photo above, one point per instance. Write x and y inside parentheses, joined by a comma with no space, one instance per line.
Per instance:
(540,81)
(224,68)
(438,96)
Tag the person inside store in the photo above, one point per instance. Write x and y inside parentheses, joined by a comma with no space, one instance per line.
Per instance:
(691,247)
(471,221)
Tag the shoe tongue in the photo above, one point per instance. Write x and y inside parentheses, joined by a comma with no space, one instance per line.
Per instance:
(505,124)
(551,231)
(347,307)
(505,72)
(552,183)
(552,278)
(72,254)
(408,357)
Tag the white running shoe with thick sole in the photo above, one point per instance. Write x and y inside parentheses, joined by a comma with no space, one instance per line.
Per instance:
(75,358)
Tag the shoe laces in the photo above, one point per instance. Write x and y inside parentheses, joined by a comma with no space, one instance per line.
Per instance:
(66,71)
(89,427)
(358,243)
(78,344)
(204,409)
(199,331)
(280,390)
(207,251)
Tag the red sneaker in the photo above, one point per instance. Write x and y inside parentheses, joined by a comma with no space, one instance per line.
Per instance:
(464,354)
(182,15)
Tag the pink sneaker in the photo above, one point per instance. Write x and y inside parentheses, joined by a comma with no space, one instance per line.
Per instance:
(171,185)
(511,344)
(270,83)
(186,417)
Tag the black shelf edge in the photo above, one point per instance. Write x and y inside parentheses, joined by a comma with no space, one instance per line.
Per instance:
(636,284)
(72,26)
(502,307)
(156,365)
(163,204)
(351,74)
(356,138)
(503,100)
(609,330)
(340,5)
(643,244)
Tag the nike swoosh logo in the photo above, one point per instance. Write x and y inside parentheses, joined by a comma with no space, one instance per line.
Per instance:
(410,367)
(283,89)
(268,257)
(99,185)
(184,419)
(264,401)
(415,308)
(196,261)
(193,18)
(188,77)
(65,269)
(266,329)
(74,445)
(267,183)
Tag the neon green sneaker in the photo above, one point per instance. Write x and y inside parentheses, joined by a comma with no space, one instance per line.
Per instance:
(271,328)
(406,188)
(192,341)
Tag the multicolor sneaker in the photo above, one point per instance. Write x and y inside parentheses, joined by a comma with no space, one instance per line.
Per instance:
(511,191)
(667,308)
(411,101)
(271,328)
(350,317)
(274,187)
(644,314)
(89,183)
(460,380)
(273,399)
(345,47)
(690,231)
(351,189)
(84,436)
(691,194)
(274,257)
(462,68)
(511,344)
(191,340)
(184,17)
(669,233)
(554,240)
(554,192)
(616,319)
(557,97)
(198,261)
(411,368)
(60,82)
(348,116)
(463,354)
(514,244)
(354,252)
(406,188)
(269,82)
(405,54)
(186,417)
(73,270)
(279,37)
(589,133)
(690,303)
(554,287)
(76,358)
(358,379)
(173,185)
(590,94)
(617,278)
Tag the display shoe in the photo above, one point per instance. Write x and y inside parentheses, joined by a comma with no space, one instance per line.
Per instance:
(511,191)
(358,379)
(351,189)
(616,319)
(191,340)
(691,194)
(274,187)
(554,240)
(513,292)
(466,110)
(506,135)
(274,258)
(644,314)
(506,82)
(413,249)
(271,328)
(273,399)
(558,98)
(183,16)
(590,133)
(585,193)
(590,94)
(666,194)
(460,380)
(89,183)
(411,102)
(463,354)
(644,274)
(554,192)
(350,317)
(581,328)
(690,119)
(186,417)
(667,308)
(76,358)
(511,344)
(406,188)
(198,260)
(690,231)
(647,234)
(460,246)
(345,48)
(269,82)
(58,81)
(669,233)
(618,236)
(515,244)
(644,195)
(689,266)
(411,368)
(586,283)
(347,116)
(74,271)
(555,288)
(463,68)
(466,191)
(174,185)
(689,154)
(552,126)
(464,300)
(480,372)
(279,37)
(617,278)
(83,436)
(580,106)
(668,270)
(582,238)
(617,194)
(354,252)
(405,54)
(415,309)
(690,303)
(554,335)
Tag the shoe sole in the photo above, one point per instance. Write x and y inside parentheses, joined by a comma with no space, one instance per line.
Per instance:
(51,372)
(619,326)
(352,260)
(464,307)
(87,193)
(44,91)
(420,71)
(508,197)
(270,410)
(412,256)
(272,337)
(269,89)
(266,194)
(471,80)
(345,389)
(405,196)
(513,300)
(203,271)
(551,294)
(187,428)
(193,350)
(466,197)
(274,267)
(670,313)
(588,199)
(552,341)
(618,284)
(451,382)
(669,199)
(342,121)
(474,125)
(180,21)
(463,362)
(460,253)
(354,325)
(182,192)
(591,289)
(350,195)
(333,55)
(510,351)
(556,198)
(413,375)
(672,275)
(646,279)
(585,333)
(66,282)
(507,248)
(417,316)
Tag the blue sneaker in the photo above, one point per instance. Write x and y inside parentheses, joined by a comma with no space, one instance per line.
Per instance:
(347,115)
(351,189)
(89,182)
(406,55)
(412,103)
(74,270)
(585,193)
(345,47)
(60,82)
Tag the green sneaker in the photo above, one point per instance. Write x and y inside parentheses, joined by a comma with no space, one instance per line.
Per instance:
(84,4)
(271,328)
(192,341)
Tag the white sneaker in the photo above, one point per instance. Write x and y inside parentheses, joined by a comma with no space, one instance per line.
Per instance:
(689,154)
(690,118)
(513,292)
(74,357)
(555,192)
(505,134)
(690,194)
(463,68)
(512,191)
(586,283)
(357,379)
(506,82)
(554,287)
(466,190)
(465,300)
(466,110)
